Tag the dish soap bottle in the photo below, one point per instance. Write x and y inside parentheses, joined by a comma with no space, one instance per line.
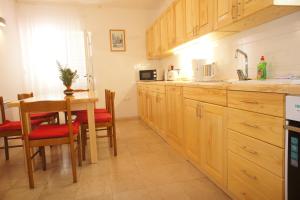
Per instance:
(262,69)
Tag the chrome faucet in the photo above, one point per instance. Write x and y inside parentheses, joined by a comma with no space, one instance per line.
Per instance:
(240,72)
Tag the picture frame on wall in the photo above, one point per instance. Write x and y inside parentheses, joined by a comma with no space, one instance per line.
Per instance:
(117,40)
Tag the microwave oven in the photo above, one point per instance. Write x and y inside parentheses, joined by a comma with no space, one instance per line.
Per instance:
(150,75)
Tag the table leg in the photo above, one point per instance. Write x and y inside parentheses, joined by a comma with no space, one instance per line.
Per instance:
(92,132)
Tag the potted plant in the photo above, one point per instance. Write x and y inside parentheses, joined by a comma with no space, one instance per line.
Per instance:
(68,77)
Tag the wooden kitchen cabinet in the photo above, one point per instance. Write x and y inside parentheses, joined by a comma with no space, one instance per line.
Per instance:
(164,34)
(160,114)
(180,33)
(225,12)
(171,27)
(174,115)
(214,145)
(157,39)
(149,43)
(248,7)
(199,17)
(192,131)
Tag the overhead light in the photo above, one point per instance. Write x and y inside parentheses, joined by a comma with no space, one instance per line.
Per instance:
(2,22)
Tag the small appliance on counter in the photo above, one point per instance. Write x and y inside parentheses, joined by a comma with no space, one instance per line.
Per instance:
(292,148)
(173,74)
(151,75)
(203,71)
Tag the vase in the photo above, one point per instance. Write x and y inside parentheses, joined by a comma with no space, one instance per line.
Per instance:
(68,91)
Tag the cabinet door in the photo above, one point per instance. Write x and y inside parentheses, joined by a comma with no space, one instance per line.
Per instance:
(192,9)
(225,12)
(192,130)
(174,114)
(171,27)
(149,43)
(205,16)
(248,7)
(179,7)
(164,33)
(157,39)
(151,105)
(161,114)
(139,100)
(213,131)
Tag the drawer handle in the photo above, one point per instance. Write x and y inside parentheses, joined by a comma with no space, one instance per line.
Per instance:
(249,150)
(250,102)
(250,125)
(250,176)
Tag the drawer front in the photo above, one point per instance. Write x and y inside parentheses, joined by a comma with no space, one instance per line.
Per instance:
(160,88)
(214,96)
(174,89)
(266,103)
(265,155)
(249,181)
(263,127)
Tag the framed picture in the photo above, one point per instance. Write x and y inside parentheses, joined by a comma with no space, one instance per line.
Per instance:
(117,40)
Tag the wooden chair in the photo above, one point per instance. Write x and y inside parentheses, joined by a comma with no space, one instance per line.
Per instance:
(50,134)
(48,117)
(11,130)
(103,121)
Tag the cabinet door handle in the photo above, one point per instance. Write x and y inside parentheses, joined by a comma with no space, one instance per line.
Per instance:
(249,150)
(250,125)
(249,102)
(249,175)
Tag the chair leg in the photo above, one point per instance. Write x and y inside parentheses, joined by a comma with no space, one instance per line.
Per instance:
(57,118)
(114,140)
(43,154)
(109,133)
(6,147)
(73,161)
(84,141)
(79,152)
(29,166)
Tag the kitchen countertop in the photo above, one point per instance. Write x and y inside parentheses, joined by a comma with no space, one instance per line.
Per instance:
(271,85)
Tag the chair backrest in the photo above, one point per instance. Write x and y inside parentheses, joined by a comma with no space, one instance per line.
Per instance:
(25,95)
(3,118)
(44,106)
(112,105)
(107,100)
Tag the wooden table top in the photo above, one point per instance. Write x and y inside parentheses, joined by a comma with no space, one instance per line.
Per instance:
(77,98)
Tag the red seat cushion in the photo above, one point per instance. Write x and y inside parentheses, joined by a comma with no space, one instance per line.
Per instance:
(99,118)
(42,115)
(16,125)
(52,131)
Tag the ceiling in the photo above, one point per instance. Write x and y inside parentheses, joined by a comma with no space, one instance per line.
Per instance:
(138,4)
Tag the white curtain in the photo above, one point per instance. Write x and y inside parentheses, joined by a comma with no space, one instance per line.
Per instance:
(47,34)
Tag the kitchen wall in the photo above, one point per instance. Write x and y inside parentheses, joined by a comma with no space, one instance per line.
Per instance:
(10,65)
(117,70)
(278,41)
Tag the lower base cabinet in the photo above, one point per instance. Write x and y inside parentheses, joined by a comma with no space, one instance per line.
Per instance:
(205,138)
(249,181)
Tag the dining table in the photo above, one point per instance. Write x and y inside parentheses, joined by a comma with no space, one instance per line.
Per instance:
(79,101)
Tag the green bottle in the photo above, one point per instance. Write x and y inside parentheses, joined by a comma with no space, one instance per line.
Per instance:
(262,69)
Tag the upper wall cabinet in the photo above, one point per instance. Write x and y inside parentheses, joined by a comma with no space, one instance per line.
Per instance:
(180,33)
(185,20)
(171,27)
(239,15)
(199,17)
(149,43)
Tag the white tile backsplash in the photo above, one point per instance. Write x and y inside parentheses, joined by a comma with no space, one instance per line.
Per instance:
(278,41)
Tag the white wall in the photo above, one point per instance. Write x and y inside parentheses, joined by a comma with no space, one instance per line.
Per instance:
(113,70)
(278,41)
(10,66)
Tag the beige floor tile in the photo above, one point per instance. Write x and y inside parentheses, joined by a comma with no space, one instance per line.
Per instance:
(146,168)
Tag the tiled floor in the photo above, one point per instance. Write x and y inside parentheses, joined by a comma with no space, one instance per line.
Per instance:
(146,168)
